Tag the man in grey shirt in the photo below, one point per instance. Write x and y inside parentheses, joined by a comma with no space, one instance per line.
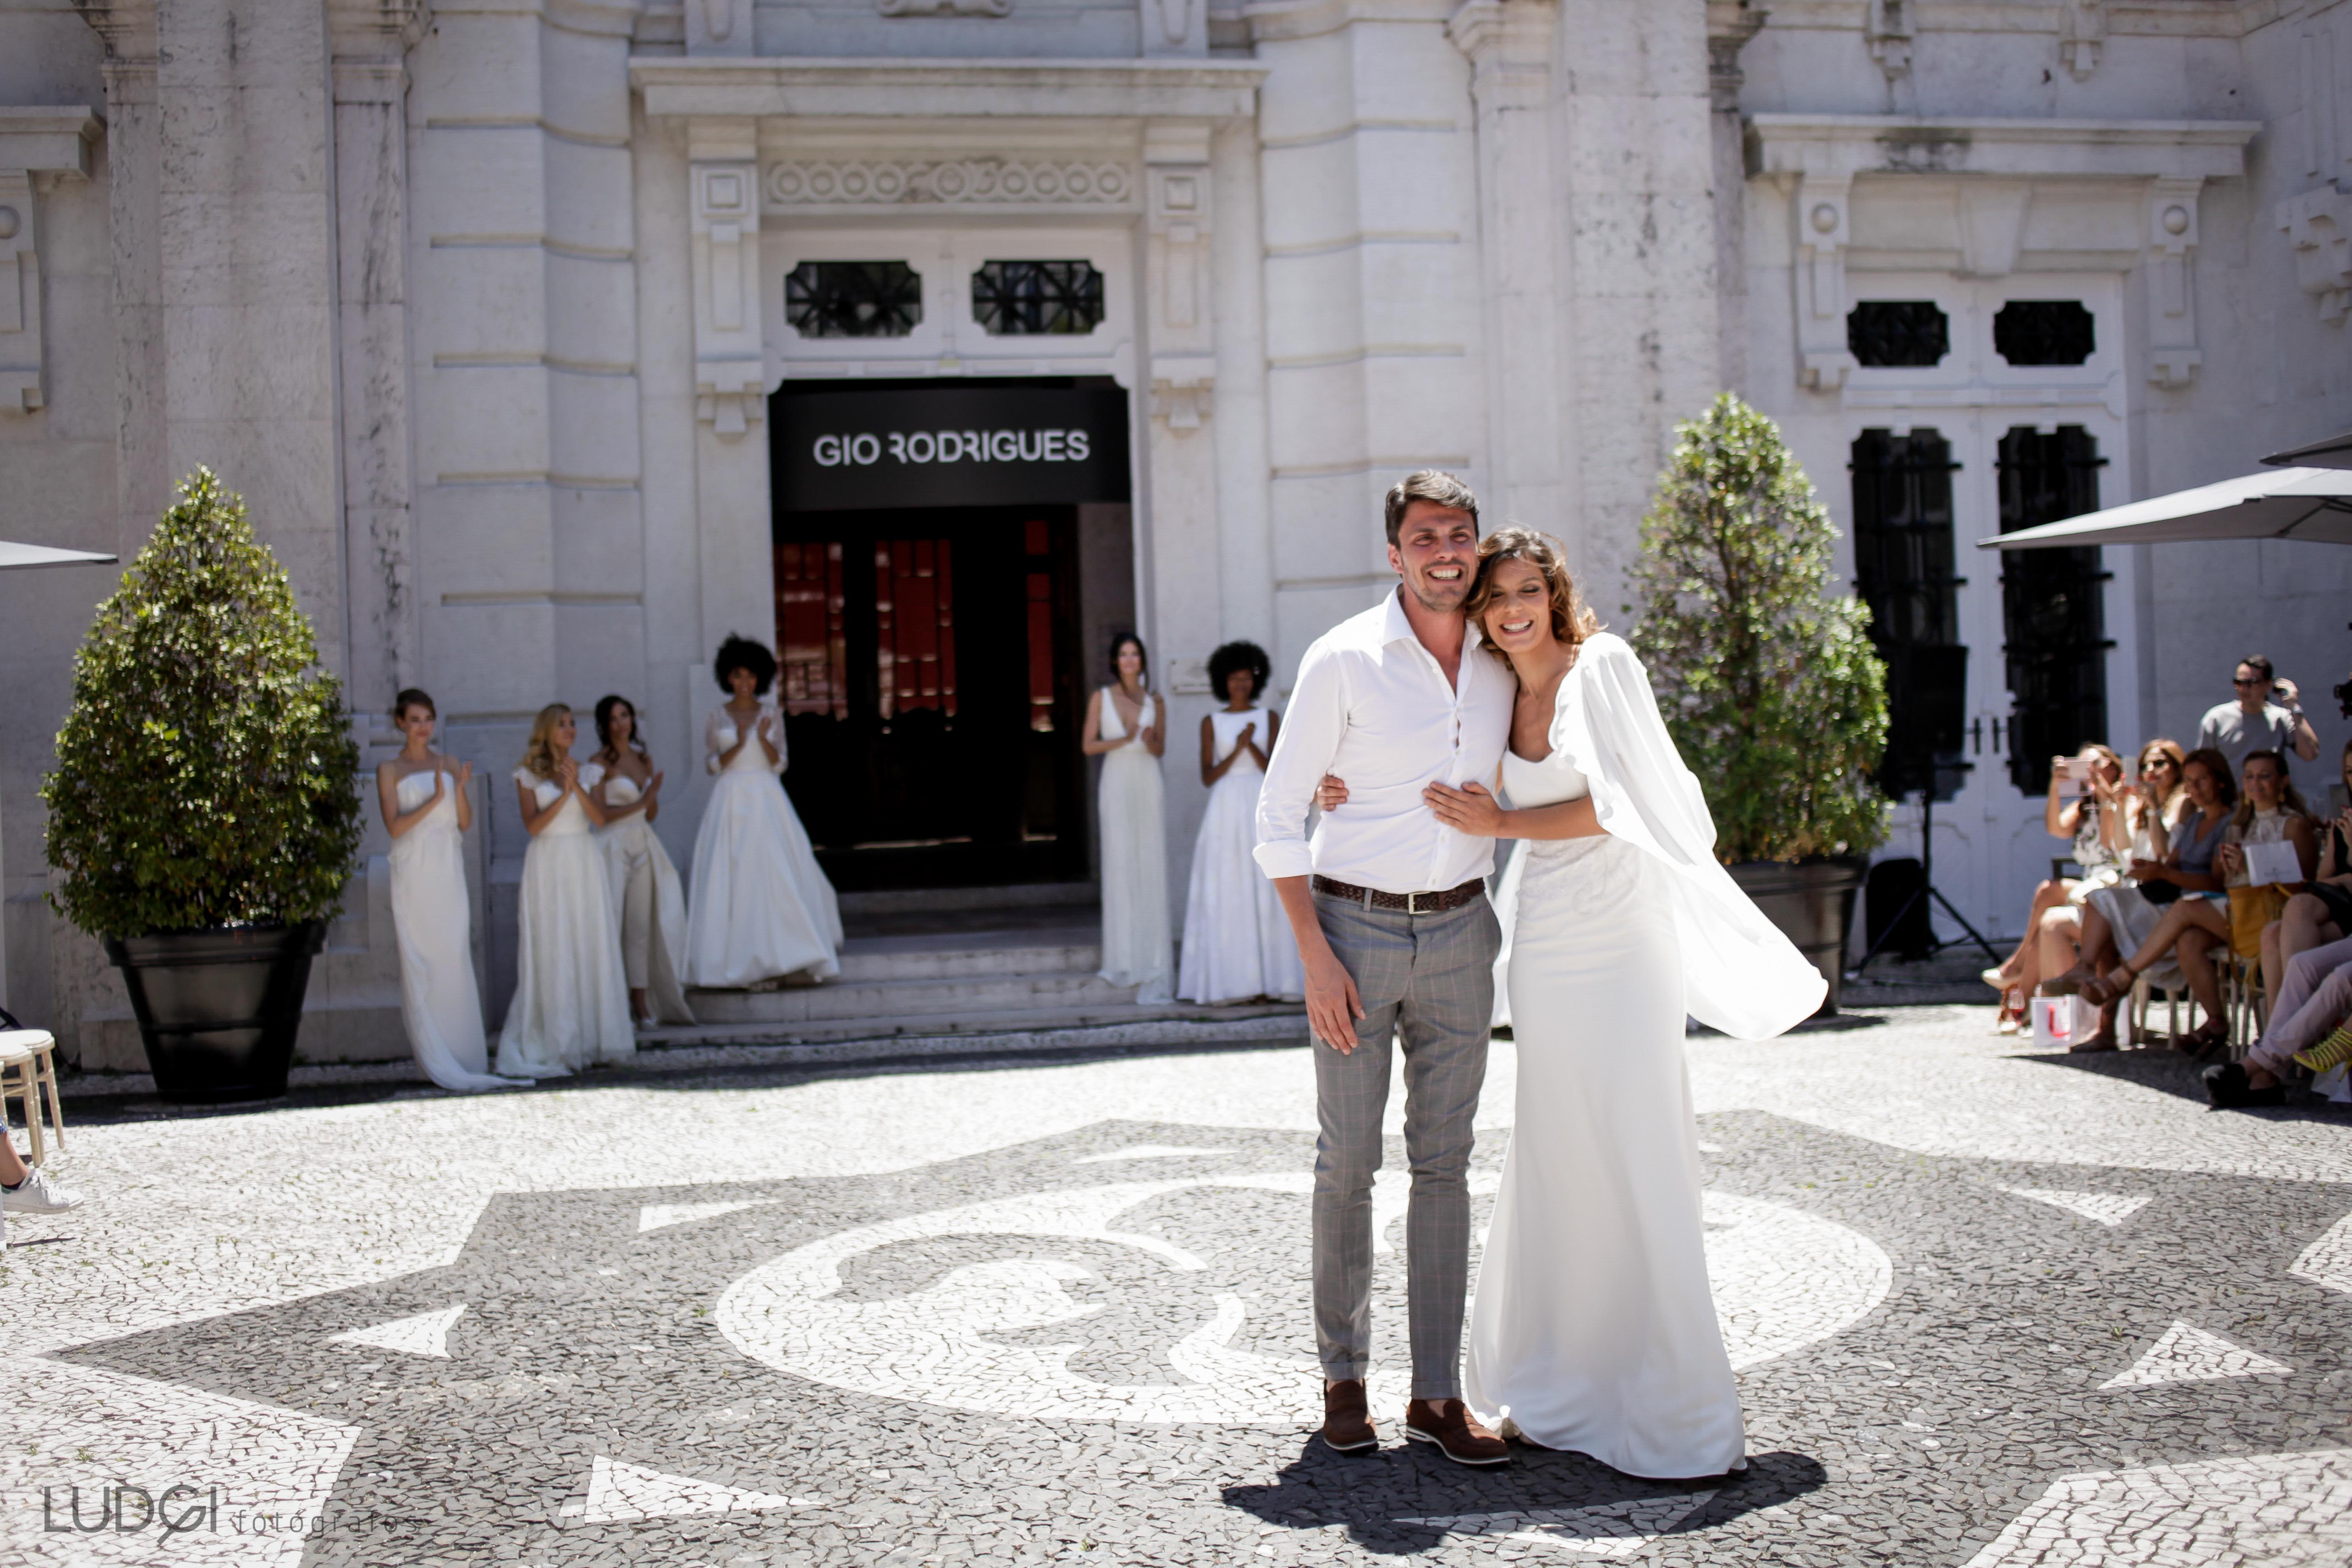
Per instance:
(2255,722)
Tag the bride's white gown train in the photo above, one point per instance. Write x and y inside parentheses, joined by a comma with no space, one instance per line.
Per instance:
(433,920)
(759,906)
(1593,1328)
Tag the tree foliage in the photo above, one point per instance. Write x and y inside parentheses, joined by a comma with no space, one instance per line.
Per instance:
(206,775)
(1777,700)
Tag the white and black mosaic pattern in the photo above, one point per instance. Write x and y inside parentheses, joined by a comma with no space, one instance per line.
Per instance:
(1089,1342)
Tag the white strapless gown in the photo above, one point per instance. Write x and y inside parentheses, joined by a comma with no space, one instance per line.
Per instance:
(571,1007)
(1237,944)
(434,922)
(761,907)
(649,901)
(1130,808)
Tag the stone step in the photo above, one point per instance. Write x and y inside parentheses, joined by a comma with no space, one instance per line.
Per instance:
(1065,950)
(1108,1024)
(869,999)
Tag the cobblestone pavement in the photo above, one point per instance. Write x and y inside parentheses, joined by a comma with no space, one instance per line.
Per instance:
(1990,1309)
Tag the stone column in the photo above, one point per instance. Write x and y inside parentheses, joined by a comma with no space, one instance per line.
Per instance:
(732,499)
(1179,470)
(1244,515)
(371,87)
(134,154)
(1509,45)
(1730,24)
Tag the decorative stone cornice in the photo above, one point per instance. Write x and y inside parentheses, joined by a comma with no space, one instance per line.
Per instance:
(1730,24)
(984,89)
(960,182)
(2319,225)
(1844,145)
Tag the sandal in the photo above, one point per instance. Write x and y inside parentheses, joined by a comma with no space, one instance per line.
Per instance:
(2208,1037)
(2102,991)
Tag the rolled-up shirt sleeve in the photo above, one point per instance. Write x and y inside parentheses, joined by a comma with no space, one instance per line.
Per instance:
(1310,737)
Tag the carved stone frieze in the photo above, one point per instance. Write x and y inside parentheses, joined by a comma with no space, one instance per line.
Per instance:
(944,7)
(2318,225)
(962,182)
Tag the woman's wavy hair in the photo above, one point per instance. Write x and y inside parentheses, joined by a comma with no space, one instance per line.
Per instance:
(2290,797)
(741,653)
(539,757)
(2224,778)
(604,706)
(1235,655)
(1572,622)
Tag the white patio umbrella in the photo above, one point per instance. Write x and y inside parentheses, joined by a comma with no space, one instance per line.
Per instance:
(15,555)
(2279,503)
(2335,452)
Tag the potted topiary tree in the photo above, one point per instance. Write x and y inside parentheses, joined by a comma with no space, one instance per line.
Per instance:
(1774,693)
(204,811)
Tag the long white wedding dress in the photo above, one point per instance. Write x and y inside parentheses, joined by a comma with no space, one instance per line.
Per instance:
(648,901)
(1131,810)
(1237,943)
(761,907)
(1593,1328)
(571,1007)
(434,922)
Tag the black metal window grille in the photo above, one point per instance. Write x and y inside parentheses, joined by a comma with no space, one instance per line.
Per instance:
(2052,617)
(853,298)
(1037,298)
(1897,333)
(2045,332)
(1903,557)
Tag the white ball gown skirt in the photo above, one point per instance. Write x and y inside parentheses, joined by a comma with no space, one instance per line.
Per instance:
(1594,1327)
(760,905)
(1138,949)
(1237,942)
(571,1007)
(434,922)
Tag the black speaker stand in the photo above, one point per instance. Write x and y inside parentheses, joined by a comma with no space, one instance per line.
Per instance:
(1926,889)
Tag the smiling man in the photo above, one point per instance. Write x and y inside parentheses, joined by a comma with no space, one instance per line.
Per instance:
(1389,906)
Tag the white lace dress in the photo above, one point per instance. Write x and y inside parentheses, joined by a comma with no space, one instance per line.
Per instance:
(1130,809)
(649,901)
(761,907)
(1237,943)
(434,922)
(571,1007)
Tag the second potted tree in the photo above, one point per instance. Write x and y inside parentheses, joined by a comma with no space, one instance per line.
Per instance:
(1775,696)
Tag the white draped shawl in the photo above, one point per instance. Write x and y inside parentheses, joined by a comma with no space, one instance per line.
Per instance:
(1743,978)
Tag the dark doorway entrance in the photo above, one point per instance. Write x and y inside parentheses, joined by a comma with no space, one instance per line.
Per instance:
(930,694)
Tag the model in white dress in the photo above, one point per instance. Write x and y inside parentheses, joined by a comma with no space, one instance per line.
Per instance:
(648,899)
(1130,813)
(432,918)
(571,1007)
(760,905)
(1237,943)
(1594,1327)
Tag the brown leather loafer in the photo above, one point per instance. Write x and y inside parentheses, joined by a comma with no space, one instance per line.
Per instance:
(1347,1417)
(1449,1424)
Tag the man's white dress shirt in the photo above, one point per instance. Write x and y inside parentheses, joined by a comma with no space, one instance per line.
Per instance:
(1372,706)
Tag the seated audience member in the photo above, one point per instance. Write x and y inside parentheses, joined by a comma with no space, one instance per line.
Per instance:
(2266,717)
(2271,810)
(2314,1000)
(2195,914)
(26,1189)
(2098,821)
(2321,911)
(2115,914)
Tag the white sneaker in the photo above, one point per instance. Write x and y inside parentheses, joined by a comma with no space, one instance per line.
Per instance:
(38,1196)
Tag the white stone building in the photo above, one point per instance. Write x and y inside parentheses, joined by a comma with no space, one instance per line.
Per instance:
(523,326)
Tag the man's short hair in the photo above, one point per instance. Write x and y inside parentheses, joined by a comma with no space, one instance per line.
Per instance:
(1432,485)
(2259,665)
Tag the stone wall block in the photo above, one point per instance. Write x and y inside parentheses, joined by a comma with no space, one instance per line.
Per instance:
(242,140)
(585,203)
(478,181)
(254,251)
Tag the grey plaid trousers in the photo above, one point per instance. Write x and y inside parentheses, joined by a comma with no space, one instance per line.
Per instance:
(1427,983)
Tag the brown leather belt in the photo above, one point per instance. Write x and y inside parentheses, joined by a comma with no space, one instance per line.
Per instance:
(1410,903)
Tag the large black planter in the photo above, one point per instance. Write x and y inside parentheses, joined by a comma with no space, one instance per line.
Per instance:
(218,1010)
(1812,902)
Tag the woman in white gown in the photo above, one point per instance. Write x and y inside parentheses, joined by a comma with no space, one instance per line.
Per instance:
(1127,726)
(1237,945)
(647,899)
(1594,1327)
(422,797)
(571,1007)
(761,908)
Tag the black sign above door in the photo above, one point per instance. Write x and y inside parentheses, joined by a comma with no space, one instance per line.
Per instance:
(951,445)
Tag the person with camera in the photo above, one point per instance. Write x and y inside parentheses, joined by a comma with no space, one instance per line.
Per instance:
(2266,717)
